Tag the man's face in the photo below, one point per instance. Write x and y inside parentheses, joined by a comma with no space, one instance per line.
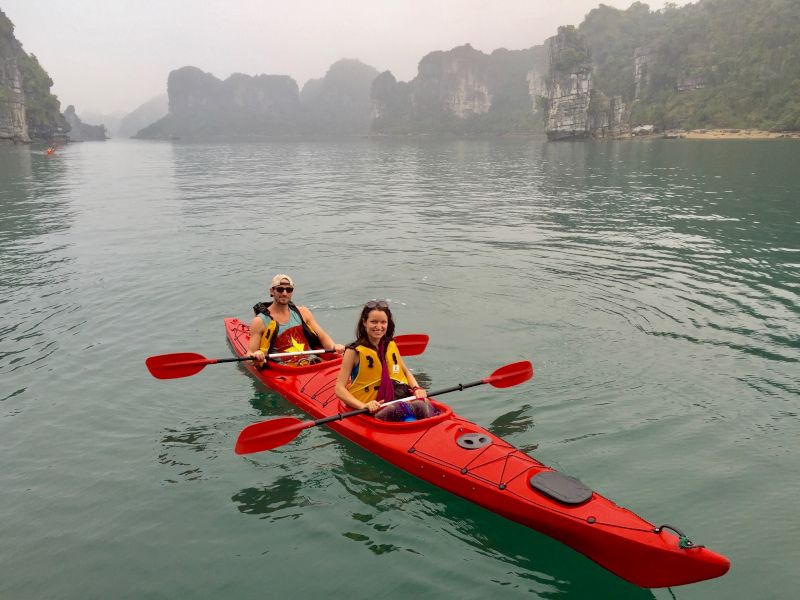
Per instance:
(282,293)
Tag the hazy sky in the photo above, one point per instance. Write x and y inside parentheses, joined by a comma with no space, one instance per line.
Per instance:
(113,55)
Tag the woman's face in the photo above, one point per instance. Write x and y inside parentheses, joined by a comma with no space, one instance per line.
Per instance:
(375,324)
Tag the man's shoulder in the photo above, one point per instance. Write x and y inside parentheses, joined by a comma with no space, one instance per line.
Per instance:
(304,311)
(257,323)
(262,307)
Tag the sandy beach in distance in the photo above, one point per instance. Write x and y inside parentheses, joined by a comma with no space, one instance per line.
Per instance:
(732,134)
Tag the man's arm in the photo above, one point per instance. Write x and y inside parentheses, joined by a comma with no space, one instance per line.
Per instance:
(256,331)
(324,338)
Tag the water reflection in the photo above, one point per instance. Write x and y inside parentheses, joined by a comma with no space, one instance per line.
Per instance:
(180,447)
(267,402)
(530,561)
(539,563)
(282,496)
(516,421)
(34,199)
(36,265)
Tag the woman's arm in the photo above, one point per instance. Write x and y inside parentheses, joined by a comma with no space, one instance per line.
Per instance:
(419,392)
(348,364)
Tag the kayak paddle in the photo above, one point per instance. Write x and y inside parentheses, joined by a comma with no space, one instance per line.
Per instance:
(185,364)
(267,435)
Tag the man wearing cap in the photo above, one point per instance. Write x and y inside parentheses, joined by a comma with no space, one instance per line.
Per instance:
(280,326)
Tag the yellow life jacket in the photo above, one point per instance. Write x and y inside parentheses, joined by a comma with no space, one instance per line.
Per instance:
(267,343)
(368,379)
(266,337)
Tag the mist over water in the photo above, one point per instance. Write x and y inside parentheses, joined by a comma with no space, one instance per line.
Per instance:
(653,284)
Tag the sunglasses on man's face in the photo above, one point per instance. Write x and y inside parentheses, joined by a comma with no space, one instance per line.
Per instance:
(280,289)
(376,304)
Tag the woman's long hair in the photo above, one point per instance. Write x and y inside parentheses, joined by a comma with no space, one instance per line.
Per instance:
(362,339)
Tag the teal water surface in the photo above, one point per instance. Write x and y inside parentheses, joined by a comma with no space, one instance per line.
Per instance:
(654,285)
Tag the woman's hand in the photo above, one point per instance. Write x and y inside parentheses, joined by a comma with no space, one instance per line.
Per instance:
(373,406)
(339,349)
(420,393)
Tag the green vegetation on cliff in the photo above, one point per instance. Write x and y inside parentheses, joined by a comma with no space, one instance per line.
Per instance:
(715,63)
(41,108)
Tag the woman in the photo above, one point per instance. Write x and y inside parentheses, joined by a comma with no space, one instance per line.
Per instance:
(373,371)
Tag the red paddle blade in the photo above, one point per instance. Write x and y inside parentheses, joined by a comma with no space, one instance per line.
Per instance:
(511,375)
(267,435)
(411,344)
(172,366)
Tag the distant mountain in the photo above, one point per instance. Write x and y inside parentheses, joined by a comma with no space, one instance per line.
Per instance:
(339,103)
(712,63)
(149,112)
(464,91)
(109,120)
(202,106)
(82,132)
(27,108)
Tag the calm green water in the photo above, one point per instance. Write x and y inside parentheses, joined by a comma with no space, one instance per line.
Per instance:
(654,285)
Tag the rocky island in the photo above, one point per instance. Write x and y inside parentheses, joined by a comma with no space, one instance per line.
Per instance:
(720,66)
(27,108)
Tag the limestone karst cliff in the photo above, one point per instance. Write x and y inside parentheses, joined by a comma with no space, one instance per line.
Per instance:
(201,106)
(243,106)
(575,110)
(707,64)
(463,90)
(27,108)
(83,132)
(569,86)
(619,69)
(338,103)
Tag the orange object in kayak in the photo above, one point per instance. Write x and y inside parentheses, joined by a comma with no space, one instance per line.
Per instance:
(468,461)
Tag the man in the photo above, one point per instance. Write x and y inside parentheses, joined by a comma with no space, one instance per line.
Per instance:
(280,326)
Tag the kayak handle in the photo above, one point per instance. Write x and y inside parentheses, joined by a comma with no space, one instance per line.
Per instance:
(684,541)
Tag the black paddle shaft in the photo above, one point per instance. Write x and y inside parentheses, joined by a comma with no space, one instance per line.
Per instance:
(237,359)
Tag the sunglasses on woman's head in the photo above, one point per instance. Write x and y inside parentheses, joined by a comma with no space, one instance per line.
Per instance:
(280,289)
(377,304)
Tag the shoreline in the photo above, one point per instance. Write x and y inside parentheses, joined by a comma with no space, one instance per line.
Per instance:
(729,134)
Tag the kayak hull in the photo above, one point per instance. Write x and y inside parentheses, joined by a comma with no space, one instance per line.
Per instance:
(495,475)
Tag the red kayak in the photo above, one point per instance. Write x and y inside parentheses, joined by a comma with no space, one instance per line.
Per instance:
(467,460)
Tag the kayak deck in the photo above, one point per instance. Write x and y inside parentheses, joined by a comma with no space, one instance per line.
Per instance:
(469,461)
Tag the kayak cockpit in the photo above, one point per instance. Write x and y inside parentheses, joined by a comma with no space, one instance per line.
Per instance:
(368,421)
